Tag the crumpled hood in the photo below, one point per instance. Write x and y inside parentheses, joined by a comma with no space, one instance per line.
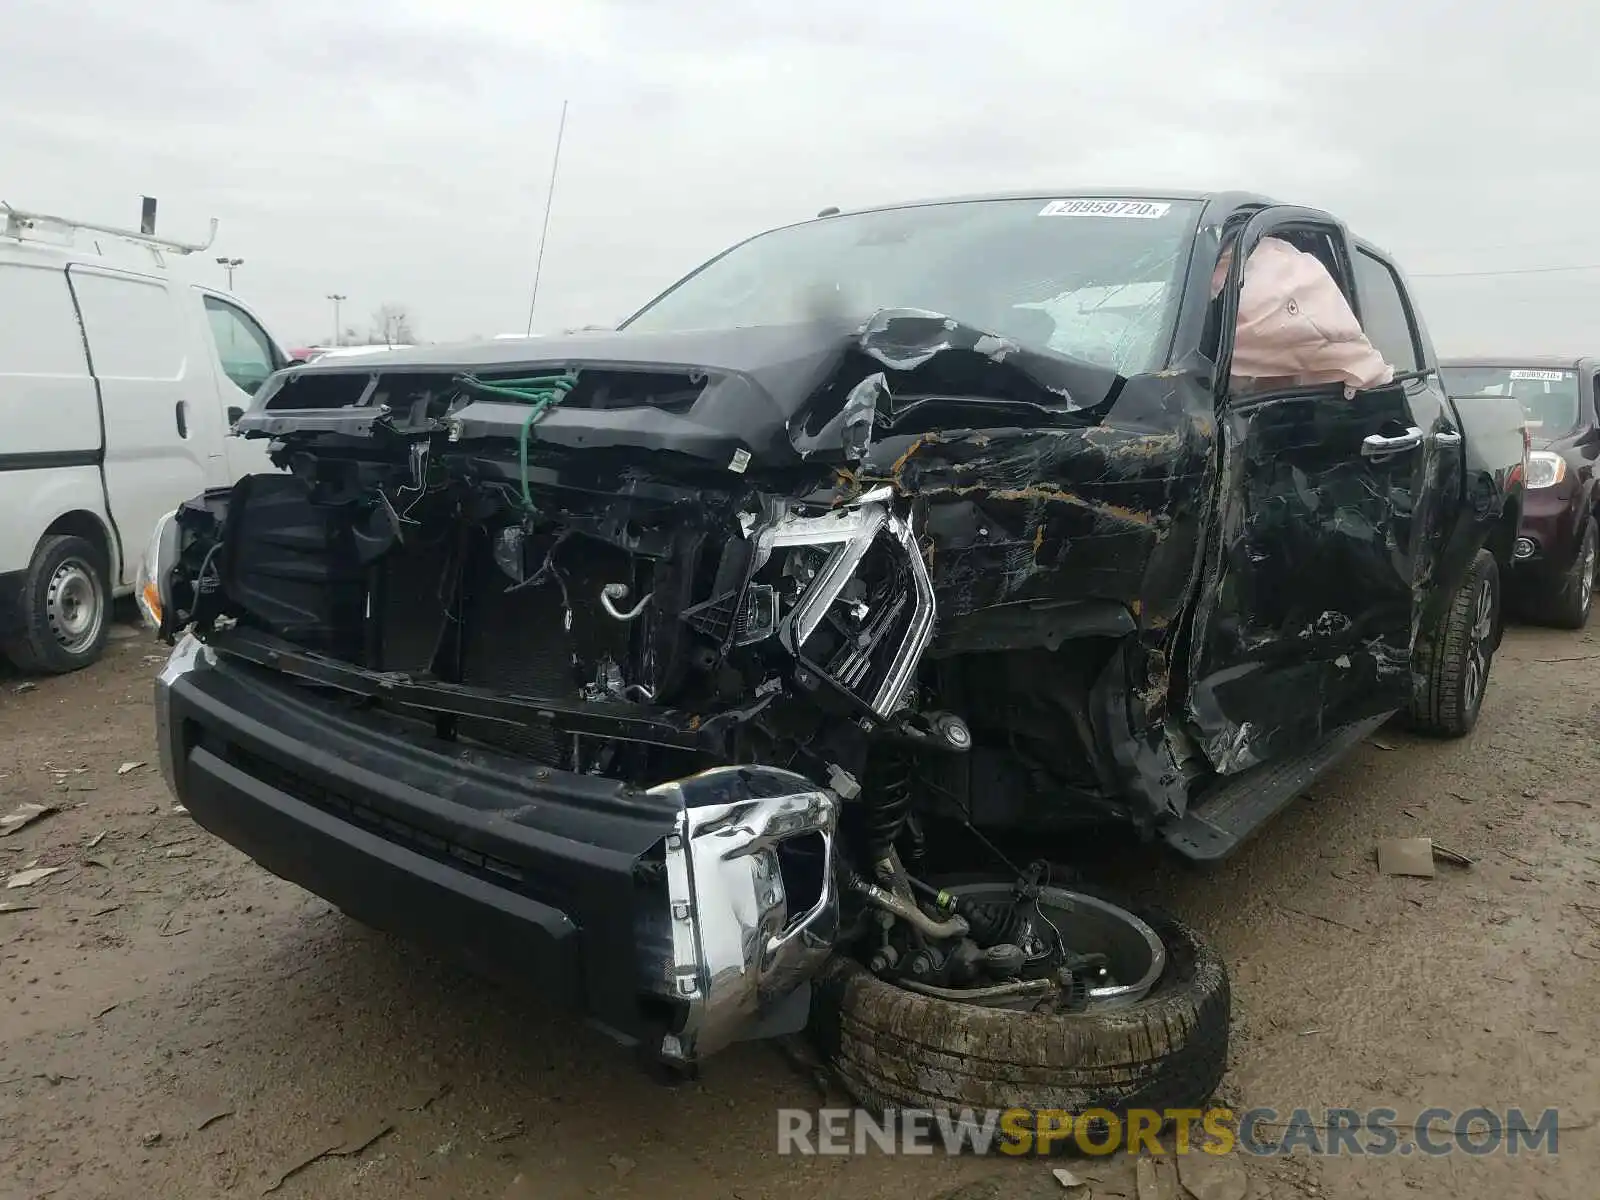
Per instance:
(751,351)
(775,395)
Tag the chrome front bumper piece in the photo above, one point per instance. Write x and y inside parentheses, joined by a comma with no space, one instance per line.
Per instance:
(737,871)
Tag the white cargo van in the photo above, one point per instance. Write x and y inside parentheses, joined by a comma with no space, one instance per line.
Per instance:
(119,381)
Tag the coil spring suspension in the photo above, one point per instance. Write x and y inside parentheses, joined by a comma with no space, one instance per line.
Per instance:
(887,804)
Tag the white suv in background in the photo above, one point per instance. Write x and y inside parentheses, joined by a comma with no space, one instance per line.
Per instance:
(118,384)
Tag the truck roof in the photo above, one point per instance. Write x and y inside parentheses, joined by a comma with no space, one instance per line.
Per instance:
(1230,198)
(1218,205)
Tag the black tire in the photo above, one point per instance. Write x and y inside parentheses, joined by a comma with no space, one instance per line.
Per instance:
(1568,607)
(66,574)
(898,1049)
(1454,658)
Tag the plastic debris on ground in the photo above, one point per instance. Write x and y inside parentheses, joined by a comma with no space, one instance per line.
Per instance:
(24,814)
(1416,856)
(1213,1177)
(29,876)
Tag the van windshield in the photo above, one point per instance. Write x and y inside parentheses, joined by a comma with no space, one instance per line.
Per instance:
(1549,398)
(1094,279)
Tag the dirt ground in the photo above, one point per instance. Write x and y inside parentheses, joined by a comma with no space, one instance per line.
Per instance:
(178,1024)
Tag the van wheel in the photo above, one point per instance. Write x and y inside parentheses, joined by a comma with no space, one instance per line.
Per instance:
(1453,660)
(66,604)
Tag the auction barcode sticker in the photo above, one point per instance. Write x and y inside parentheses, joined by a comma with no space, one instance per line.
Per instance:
(1547,376)
(1147,209)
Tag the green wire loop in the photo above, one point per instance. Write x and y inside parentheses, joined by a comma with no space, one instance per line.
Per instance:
(540,393)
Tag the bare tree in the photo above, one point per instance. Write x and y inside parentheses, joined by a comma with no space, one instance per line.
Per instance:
(391,325)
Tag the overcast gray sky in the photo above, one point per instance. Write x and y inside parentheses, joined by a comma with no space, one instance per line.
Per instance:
(399,151)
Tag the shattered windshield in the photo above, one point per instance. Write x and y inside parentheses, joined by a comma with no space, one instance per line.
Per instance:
(1549,398)
(1094,279)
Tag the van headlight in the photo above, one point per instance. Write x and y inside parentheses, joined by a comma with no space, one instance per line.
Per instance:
(154,585)
(1545,469)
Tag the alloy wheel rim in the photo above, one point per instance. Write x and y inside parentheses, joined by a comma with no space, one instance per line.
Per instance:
(1480,648)
(1586,576)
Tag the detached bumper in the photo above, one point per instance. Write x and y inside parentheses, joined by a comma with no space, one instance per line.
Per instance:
(601,894)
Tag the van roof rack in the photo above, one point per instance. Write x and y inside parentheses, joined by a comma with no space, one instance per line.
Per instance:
(19,223)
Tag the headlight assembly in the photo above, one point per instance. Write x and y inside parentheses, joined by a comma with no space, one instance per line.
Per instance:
(1545,469)
(154,587)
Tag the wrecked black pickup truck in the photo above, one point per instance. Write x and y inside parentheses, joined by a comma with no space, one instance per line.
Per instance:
(710,671)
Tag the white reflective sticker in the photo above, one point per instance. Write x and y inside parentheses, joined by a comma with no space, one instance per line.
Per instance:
(1147,209)
(741,460)
(1547,376)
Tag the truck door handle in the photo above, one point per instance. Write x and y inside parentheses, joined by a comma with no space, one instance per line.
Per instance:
(180,414)
(234,413)
(1375,445)
(1447,438)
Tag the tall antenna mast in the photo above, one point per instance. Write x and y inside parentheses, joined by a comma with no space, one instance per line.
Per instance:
(549,199)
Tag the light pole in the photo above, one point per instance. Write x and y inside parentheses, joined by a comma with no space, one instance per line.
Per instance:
(228,264)
(337,328)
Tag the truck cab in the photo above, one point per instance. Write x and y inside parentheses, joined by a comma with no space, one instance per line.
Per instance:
(119,383)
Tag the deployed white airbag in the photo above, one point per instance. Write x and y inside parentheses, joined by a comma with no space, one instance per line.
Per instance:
(1295,327)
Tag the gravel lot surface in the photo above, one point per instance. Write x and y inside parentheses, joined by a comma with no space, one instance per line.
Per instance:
(178,1024)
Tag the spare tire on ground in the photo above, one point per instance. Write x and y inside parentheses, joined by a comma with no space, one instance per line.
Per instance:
(898,1049)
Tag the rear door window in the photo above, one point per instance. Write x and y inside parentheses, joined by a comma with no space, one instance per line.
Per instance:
(1385,317)
(243,347)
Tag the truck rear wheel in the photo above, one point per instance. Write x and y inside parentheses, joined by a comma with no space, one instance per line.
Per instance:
(1453,659)
(894,1048)
(66,608)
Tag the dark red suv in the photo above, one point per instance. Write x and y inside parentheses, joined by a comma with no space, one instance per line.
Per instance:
(1553,570)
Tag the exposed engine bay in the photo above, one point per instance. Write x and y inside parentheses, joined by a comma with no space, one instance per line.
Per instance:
(581,569)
